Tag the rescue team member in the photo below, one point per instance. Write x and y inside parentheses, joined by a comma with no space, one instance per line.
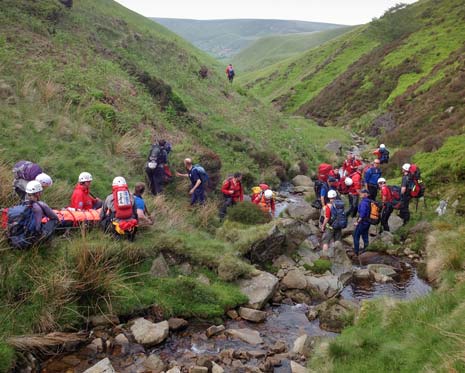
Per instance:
(82,199)
(232,192)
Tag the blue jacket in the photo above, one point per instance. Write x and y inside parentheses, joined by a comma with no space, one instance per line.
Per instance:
(364,210)
(372,175)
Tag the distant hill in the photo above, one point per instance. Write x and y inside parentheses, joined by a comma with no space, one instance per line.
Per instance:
(271,49)
(225,38)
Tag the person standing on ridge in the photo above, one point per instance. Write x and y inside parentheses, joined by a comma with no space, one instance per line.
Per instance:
(155,168)
(198,177)
(371,179)
(81,198)
(232,192)
(230,73)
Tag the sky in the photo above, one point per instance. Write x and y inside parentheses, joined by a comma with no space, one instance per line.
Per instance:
(347,12)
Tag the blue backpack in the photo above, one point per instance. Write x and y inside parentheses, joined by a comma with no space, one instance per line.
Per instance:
(384,158)
(338,216)
(202,174)
(21,226)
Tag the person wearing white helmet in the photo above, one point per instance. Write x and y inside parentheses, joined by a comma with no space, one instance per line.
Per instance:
(386,199)
(40,209)
(362,223)
(382,153)
(330,220)
(82,199)
(267,202)
(404,211)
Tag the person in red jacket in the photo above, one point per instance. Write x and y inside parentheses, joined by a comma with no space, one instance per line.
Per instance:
(232,192)
(386,197)
(350,164)
(81,198)
(267,202)
(354,191)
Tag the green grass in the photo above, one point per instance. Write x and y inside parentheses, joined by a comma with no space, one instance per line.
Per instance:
(321,266)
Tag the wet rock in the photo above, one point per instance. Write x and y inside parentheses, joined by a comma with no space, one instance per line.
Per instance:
(279,347)
(177,324)
(159,267)
(149,334)
(259,289)
(297,368)
(103,320)
(382,269)
(216,368)
(198,369)
(294,279)
(185,268)
(362,274)
(395,223)
(303,345)
(336,314)
(312,314)
(232,314)
(341,264)
(302,180)
(214,330)
(300,211)
(203,279)
(249,336)
(283,261)
(299,296)
(325,287)
(382,278)
(269,247)
(371,257)
(103,366)
(252,314)
(154,364)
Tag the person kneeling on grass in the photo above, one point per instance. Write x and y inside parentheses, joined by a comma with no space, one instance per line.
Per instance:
(145,219)
(362,223)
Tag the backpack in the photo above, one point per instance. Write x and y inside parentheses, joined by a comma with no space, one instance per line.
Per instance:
(396,198)
(21,225)
(231,73)
(202,174)
(26,170)
(338,216)
(416,185)
(384,156)
(122,202)
(324,170)
(375,212)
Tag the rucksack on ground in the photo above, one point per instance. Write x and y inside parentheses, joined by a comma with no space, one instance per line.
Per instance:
(20,224)
(375,212)
(202,174)
(338,216)
(396,197)
(417,187)
(26,170)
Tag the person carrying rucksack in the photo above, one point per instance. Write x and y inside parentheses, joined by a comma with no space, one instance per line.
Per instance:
(362,224)
(230,73)
(333,220)
(25,226)
(371,179)
(81,198)
(232,193)
(387,207)
(326,187)
(354,182)
(382,153)
(157,161)
(405,187)
(199,179)
(119,215)
(143,216)
(267,202)
(25,171)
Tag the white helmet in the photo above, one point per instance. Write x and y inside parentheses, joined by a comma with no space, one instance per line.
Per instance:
(33,187)
(382,146)
(84,176)
(406,167)
(381,180)
(348,181)
(44,180)
(332,194)
(268,193)
(119,181)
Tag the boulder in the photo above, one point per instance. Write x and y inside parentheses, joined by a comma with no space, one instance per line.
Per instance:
(302,180)
(159,267)
(177,324)
(300,211)
(307,256)
(295,231)
(395,223)
(269,247)
(294,279)
(232,314)
(246,335)
(297,368)
(252,315)
(154,364)
(386,238)
(214,330)
(303,345)
(303,189)
(185,268)
(362,274)
(324,287)
(284,261)
(201,278)
(382,269)
(279,347)
(299,296)
(336,314)
(372,257)
(103,366)
(382,278)
(149,334)
(259,289)
(341,264)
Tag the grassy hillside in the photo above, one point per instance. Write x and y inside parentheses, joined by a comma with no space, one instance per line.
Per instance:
(397,75)
(269,50)
(225,38)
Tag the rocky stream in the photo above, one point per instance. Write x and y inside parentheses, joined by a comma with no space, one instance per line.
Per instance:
(289,310)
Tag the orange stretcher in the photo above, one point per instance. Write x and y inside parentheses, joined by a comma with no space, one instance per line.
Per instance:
(73,218)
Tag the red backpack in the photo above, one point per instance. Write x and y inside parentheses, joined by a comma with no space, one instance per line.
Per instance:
(417,187)
(123,202)
(324,171)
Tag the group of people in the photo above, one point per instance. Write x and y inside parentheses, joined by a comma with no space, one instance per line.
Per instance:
(361,183)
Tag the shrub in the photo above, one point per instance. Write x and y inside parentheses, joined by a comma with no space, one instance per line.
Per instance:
(320,266)
(248,213)
(105,111)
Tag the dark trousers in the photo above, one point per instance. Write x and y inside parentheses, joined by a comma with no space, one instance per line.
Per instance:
(404,211)
(385,214)
(353,205)
(198,196)
(361,231)
(228,201)
(156,177)
(373,190)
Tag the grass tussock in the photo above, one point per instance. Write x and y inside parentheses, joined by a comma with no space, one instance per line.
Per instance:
(248,213)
